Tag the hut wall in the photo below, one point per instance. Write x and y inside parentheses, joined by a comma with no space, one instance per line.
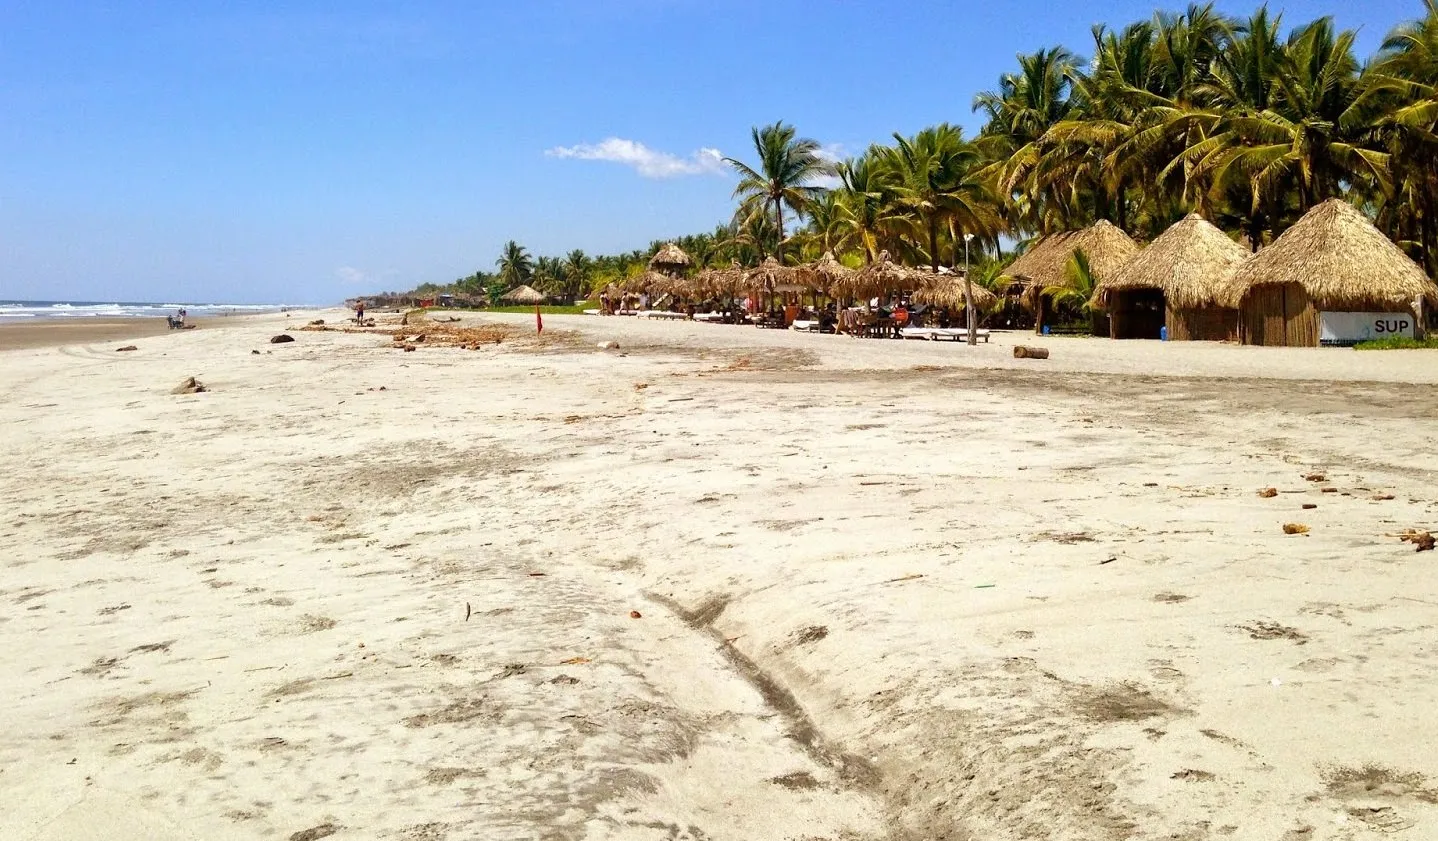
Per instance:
(1202,324)
(1279,315)
(1136,314)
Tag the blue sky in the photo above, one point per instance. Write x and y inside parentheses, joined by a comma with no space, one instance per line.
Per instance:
(310,151)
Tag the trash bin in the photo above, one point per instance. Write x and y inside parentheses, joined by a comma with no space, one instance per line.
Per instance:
(1163,333)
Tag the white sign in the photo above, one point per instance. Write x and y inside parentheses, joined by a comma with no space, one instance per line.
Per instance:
(1346,328)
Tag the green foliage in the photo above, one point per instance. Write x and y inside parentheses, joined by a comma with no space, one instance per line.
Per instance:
(1399,343)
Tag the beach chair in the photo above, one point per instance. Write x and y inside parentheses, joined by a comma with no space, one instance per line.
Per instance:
(925,333)
(958,334)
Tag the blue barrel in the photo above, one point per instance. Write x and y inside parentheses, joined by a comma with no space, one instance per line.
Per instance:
(1163,333)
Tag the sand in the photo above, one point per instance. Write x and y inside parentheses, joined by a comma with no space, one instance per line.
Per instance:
(722,583)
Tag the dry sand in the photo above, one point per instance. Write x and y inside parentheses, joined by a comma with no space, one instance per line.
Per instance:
(721,584)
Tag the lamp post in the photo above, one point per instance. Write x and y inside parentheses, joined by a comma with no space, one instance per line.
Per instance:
(969,294)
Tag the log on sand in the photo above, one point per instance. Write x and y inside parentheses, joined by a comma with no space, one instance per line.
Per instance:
(1021,352)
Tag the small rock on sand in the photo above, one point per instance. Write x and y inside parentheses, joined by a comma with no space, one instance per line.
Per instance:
(189,385)
(282,339)
(609,346)
(125,348)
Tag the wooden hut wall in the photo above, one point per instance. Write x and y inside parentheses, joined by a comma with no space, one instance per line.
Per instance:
(1279,315)
(1202,324)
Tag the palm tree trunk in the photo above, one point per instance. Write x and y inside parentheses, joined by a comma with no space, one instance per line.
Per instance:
(934,244)
(779,222)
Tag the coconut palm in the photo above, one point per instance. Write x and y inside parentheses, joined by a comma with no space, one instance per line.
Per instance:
(787,168)
(514,264)
(935,176)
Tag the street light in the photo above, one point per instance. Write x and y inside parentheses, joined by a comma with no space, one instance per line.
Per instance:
(969,293)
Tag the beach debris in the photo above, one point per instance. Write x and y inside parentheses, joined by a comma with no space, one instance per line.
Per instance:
(913,577)
(281,339)
(537,574)
(1422,540)
(317,322)
(1316,477)
(189,385)
(1295,528)
(315,833)
(1022,352)
(1329,490)
(811,634)
(1309,506)
(1265,630)
(1268,493)
(1382,497)
(609,346)
(409,348)
(125,348)
(1108,560)
(575,661)
(634,614)
(468,611)
(255,352)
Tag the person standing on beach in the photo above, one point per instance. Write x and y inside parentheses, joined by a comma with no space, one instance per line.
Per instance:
(359,311)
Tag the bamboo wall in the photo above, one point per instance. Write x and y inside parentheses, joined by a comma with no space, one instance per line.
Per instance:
(1202,324)
(1279,315)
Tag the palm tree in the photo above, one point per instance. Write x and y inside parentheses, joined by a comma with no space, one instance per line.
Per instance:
(514,264)
(784,178)
(577,270)
(1076,292)
(936,180)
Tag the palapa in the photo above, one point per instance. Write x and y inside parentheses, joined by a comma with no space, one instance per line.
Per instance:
(1341,260)
(879,278)
(524,295)
(770,275)
(671,258)
(1191,263)
(948,290)
(825,275)
(1107,247)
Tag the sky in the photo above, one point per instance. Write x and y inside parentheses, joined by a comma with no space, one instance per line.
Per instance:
(307,152)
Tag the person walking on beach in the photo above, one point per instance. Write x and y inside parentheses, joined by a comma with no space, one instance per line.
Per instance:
(359,311)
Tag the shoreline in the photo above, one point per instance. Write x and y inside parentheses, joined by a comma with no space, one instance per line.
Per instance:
(58,332)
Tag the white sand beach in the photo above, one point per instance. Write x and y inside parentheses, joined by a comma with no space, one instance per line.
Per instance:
(720,583)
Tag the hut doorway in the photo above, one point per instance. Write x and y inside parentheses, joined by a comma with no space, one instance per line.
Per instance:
(1137,314)
(1279,315)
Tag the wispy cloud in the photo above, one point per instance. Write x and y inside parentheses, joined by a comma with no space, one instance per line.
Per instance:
(351,275)
(831,153)
(649,163)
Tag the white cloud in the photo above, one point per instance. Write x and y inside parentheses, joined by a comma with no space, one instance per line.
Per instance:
(350,274)
(831,153)
(647,162)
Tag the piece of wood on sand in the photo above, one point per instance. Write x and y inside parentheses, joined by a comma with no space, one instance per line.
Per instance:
(1022,352)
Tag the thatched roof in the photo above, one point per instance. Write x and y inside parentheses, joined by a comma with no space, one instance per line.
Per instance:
(1191,262)
(947,290)
(524,295)
(1107,247)
(720,282)
(770,275)
(669,258)
(878,278)
(824,274)
(1340,259)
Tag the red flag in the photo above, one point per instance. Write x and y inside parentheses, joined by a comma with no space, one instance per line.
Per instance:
(538,320)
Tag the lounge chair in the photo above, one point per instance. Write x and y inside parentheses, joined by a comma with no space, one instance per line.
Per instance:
(958,334)
(925,333)
(805,326)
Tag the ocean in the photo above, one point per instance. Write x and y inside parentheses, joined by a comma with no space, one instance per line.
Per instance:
(16,311)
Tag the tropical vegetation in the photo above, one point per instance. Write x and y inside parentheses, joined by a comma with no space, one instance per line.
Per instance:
(1248,121)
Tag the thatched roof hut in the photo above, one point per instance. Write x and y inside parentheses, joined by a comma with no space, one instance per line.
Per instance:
(524,295)
(948,290)
(720,283)
(1176,281)
(881,277)
(1107,247)
(770,275)
(1333,260)
(671,258)
(824,275)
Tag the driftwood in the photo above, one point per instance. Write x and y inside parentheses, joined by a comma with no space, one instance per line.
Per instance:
(1021,352)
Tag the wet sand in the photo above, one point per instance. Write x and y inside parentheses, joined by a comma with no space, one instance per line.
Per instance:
(54,332)
(723,583)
